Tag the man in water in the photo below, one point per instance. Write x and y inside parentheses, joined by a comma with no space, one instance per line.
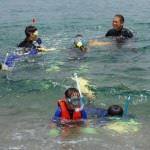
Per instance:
(30,46)
(118,29)
(32,41)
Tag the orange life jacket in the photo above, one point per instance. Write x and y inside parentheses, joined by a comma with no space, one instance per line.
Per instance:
(65,113)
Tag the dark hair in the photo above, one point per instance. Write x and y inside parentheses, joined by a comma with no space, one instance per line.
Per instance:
(78,35)
(121,17)
(70,91)
(30,29)
(115,110)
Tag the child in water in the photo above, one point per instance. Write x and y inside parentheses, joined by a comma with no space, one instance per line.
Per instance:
(80,44)
(70,109)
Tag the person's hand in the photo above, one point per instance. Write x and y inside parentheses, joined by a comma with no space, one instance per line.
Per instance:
(42,49)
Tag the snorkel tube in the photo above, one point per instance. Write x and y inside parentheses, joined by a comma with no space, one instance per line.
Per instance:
(81,96)
(126,106)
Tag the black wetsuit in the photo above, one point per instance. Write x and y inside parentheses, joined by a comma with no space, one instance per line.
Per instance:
(125,33)
(30,44)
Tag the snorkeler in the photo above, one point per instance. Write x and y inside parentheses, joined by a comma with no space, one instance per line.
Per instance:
(31,46)
(84,46)
(32,41)
(78,43)
(113,110)
(67,109)
(118,29)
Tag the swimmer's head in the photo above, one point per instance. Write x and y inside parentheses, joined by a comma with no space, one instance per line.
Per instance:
(115,110)
(31,33)
(118,22)
(72,96)
(78,42)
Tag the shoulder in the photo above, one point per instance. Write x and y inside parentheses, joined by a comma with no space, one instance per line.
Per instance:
(22,44)
(110,32)
(25,44)
(127,33)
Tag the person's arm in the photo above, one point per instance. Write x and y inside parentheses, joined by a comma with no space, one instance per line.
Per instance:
(55,118)
(84,114)
(43,49)
(93,43)
(57,115)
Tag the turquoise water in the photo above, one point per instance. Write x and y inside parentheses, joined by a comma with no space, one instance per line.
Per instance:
(28,95)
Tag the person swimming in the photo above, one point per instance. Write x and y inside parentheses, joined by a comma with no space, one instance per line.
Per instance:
(78,43)
(118,29)
(111,111)
(84,46)
(32,41)
(67,107)
(30,46)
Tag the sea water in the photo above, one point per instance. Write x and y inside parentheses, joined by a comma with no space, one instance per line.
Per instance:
(29,94)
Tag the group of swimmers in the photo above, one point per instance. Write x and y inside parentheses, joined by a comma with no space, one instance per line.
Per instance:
(69,107)
(118,31)
(32,44)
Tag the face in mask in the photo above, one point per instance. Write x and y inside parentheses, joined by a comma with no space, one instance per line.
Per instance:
(78,41)
(73,102)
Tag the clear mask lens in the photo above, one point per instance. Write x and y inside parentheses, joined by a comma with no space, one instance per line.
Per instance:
(74,101)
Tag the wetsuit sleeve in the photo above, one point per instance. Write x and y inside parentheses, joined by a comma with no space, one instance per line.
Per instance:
(84,114)
(57,114)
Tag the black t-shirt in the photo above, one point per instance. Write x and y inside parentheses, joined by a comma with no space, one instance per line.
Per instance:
(126,33)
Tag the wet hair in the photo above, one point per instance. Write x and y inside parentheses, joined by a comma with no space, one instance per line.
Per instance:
(115,110)
(120,17)
(29,30)
(69,92)
(78,35)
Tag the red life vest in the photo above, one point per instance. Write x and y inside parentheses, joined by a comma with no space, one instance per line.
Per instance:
(65,113)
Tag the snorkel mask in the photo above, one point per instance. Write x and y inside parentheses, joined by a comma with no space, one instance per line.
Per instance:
(75,101)
(78,42)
